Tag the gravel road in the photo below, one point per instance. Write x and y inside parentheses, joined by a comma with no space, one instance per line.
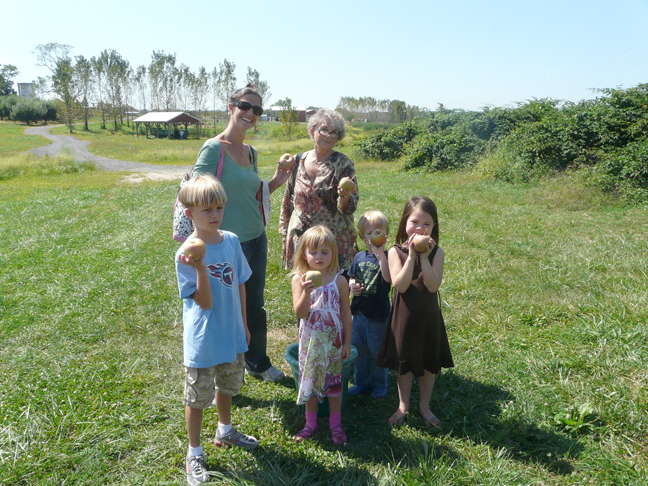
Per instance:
(80,152)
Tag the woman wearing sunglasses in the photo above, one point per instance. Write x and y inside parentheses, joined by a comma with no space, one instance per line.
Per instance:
(313,195)
(241,182)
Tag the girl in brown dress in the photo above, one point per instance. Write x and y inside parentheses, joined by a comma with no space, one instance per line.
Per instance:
(416,342)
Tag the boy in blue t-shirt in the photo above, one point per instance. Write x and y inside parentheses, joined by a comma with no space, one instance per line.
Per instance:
(215,328)
(370,285)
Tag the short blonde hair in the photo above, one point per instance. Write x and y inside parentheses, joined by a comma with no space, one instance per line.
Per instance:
(310,240)
(202,190)
(374,217)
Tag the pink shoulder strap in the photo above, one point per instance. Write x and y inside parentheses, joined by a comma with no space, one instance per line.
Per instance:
(220,163)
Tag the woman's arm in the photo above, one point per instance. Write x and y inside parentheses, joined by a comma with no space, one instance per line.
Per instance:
(348,202)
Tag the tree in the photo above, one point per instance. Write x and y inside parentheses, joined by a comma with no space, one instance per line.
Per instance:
(162,79)
(86,83)
(200,89)
(141,85)
(6,104)
(226,81)
(7,73)
(262,87)
(28,110)
(397,111)
(289,118)
(99,72)
(56,58)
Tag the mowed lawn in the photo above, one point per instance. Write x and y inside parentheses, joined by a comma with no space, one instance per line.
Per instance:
(544,297)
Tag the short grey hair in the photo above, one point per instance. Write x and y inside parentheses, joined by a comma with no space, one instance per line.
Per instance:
(332,116)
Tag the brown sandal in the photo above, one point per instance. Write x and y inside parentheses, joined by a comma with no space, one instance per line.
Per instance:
(432,423)
(397,420)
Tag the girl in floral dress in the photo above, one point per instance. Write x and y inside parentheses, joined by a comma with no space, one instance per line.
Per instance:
(324,329)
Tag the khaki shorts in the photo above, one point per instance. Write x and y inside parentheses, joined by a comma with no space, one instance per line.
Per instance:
(201,383)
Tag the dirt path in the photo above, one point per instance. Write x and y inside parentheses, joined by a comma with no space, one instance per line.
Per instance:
(79,149)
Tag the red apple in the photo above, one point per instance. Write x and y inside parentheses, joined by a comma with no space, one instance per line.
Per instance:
(346,184)
(195,248)
(377,237)
(420,242)
(315,277)
(287,161)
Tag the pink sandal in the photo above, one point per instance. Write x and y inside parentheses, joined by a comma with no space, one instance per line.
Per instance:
(305,433)
(338,435)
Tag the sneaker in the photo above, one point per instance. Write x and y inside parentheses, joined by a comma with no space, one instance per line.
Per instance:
(379,392)
(236,439)
(357,390)
(196,470)
(271,374)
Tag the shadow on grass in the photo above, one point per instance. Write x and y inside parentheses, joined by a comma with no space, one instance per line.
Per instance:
(472,410)
(467,409)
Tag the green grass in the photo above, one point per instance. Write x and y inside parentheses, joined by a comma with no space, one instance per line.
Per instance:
(13,139)
(124,145)
(544,299)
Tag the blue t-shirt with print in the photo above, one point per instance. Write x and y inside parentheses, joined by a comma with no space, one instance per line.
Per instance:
(217,335)
(374,300)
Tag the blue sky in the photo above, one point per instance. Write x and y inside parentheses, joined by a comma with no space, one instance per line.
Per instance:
(463,53)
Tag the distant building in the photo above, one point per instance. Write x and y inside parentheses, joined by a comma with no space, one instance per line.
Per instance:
(26,89)
(303,113)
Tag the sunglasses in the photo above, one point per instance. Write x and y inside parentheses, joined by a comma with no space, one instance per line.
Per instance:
(245,106)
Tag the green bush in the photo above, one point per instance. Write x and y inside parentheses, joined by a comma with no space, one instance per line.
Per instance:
(389,144)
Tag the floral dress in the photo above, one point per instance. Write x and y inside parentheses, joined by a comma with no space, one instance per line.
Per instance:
(320,346)
(307,204)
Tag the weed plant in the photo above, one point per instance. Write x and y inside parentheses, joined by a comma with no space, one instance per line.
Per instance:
(543,296)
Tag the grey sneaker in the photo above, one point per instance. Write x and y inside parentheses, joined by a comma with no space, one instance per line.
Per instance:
(271,374)
(196,470)
(236,439)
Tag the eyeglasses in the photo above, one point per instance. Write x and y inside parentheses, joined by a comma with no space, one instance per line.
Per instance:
(245,106)
(325,132)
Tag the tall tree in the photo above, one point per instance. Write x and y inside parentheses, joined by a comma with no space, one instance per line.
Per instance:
(226,81)
(261,86)
(56,58)
(7,73)
(162,79)
(99,66)
(84,75)
(289,117)
(141,87)
(214,77)
(201,88)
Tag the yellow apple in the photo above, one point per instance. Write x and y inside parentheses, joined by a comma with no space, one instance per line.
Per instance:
(195,248)
(287,161)
(420,242)
(346,184)
(315,277)
(377,237)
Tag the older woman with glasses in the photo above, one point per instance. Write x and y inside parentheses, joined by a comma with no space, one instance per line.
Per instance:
(243,218)
(313,195)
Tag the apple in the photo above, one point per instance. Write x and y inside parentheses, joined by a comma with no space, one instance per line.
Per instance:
(420,242)
(377,237)
(346,184)
(195,248)
(315,277)
(286,161)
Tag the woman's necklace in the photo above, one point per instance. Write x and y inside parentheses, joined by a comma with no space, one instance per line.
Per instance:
(240,149)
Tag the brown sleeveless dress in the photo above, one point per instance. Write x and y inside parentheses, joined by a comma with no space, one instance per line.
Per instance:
(415,339)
